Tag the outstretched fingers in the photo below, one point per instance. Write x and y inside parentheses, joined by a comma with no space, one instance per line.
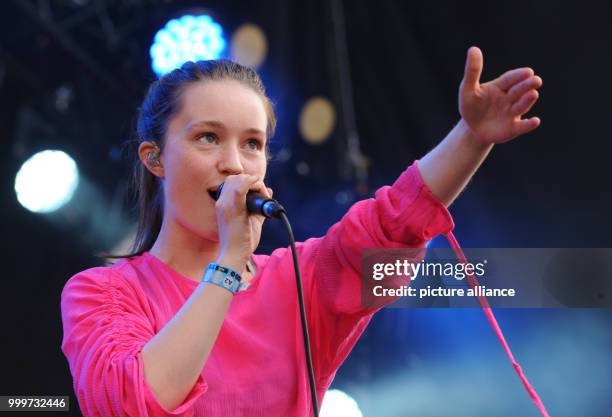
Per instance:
(520,88)
(525,125)
(508,79)
(525,103)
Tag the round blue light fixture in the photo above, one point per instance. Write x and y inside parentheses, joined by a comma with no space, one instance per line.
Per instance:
(188,38)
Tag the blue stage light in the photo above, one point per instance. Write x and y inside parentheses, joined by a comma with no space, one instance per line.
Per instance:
(188,38)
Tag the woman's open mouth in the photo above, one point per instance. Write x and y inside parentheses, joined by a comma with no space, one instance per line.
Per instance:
(215,192)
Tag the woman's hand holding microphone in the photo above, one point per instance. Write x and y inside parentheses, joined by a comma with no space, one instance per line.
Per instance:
(239,230)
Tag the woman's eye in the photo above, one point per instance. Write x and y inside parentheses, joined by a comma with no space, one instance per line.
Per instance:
(254,144)
(207,137)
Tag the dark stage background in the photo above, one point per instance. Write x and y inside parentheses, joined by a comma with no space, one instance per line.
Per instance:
(550,188)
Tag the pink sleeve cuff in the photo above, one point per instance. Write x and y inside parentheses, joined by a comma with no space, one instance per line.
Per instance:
(411,210)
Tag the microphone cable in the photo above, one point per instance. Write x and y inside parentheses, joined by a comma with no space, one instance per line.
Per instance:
(298,281)
(271,209)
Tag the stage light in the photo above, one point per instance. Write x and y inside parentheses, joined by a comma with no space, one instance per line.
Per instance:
(46,181)
(338,403)
(317,120)
(249,45)
(188,38)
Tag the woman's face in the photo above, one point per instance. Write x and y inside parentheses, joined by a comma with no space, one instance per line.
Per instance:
(218,130)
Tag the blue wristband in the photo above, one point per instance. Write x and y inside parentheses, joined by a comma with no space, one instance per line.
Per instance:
(223,277)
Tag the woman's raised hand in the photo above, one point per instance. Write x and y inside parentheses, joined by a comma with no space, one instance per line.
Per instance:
(493,111)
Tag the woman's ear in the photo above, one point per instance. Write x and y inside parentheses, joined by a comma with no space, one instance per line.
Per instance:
(150,155)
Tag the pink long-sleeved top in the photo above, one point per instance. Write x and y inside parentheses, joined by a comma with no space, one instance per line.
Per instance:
(257,366)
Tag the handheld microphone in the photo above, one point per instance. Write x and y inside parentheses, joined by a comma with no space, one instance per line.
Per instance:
(257,203)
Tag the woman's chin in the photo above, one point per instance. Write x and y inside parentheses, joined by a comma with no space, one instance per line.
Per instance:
(212,236)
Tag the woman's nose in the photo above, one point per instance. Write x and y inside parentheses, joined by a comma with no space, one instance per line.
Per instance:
(229,162)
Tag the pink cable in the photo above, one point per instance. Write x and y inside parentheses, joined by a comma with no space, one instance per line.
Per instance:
(500,335)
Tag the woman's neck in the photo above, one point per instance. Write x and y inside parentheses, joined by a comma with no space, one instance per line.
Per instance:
(185,252)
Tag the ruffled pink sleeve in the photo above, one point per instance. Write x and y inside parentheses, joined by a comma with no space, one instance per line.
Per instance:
(404,215)
(105,328)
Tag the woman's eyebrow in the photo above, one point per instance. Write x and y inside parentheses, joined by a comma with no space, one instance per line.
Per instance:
(205,123)
(254,131)
(219,125)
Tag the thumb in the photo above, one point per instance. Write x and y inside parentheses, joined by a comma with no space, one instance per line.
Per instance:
(473,68)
